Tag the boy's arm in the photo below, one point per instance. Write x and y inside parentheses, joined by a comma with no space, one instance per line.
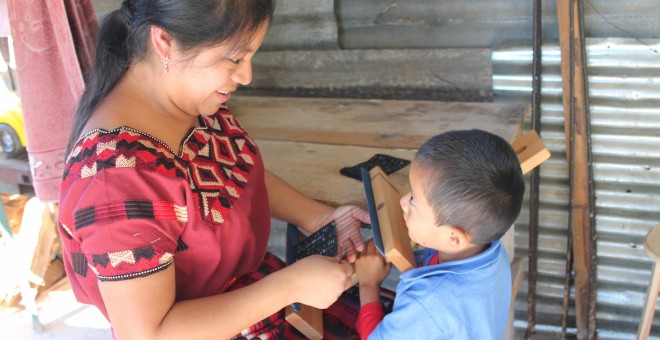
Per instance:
(371,270)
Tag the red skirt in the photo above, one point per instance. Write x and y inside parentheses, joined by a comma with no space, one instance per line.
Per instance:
(338,320)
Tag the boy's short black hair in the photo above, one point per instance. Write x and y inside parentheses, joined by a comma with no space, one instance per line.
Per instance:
(474,182)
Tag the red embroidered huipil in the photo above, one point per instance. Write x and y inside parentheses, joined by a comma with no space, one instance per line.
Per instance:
(129,206)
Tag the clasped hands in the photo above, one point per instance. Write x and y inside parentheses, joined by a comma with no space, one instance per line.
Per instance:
(332,278)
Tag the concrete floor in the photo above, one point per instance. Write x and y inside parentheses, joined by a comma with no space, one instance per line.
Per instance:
(61,316)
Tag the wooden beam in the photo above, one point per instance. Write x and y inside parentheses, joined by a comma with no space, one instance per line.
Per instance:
(309,321)
(371,123)
(577,150)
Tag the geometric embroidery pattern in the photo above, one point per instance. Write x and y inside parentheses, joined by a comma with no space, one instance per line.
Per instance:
(180,245)
(79,262)
(219,173)
(84,217)
(101,259)
(121,256)
(135,274)
(215,160)
(125,264)
(128,210)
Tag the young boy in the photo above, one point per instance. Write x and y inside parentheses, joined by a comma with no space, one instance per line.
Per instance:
(466,190)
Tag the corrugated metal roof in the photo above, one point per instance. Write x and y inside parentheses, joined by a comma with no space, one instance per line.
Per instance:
(624,96)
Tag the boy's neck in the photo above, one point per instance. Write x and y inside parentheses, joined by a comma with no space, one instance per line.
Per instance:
(472,250)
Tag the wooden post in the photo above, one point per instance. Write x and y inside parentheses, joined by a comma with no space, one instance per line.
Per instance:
(577,151)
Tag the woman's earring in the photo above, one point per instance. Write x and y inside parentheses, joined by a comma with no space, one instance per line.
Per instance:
(166,64)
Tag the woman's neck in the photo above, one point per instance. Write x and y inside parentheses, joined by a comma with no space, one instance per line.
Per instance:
(136,103)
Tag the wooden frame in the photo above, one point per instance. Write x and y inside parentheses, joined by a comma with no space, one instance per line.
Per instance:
(397,247)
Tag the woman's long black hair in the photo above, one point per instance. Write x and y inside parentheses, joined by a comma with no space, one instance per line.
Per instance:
(124,35)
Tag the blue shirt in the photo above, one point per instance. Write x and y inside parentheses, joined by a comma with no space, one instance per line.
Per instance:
(465,299)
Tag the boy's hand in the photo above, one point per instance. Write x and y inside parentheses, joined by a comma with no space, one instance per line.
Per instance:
(371,270)
(371,267)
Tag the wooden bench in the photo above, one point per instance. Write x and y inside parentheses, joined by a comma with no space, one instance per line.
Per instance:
(306,141)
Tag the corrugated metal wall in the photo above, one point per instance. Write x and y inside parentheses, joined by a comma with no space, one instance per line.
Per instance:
(624,94)
(480,23)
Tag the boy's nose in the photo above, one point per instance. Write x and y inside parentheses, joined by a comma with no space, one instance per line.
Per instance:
(404,202)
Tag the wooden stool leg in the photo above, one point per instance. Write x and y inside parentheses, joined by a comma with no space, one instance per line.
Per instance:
(649,305)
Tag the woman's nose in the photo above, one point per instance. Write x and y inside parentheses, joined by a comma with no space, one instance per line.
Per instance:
(243,75)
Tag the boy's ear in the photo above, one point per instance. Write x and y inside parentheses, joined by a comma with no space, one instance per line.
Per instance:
(160,42)
(458,238)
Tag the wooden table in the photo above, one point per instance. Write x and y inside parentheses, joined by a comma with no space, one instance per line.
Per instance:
(306,141)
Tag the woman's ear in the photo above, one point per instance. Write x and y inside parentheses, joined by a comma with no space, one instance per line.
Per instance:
(160,42)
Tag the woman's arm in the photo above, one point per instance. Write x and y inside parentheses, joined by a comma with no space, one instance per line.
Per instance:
(288,204)
(145,308)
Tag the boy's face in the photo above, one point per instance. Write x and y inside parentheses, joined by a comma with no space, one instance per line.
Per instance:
(417,212)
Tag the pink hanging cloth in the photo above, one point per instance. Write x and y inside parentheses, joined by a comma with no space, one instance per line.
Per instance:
(53,47)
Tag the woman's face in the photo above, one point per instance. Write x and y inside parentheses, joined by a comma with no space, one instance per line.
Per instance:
(199,86)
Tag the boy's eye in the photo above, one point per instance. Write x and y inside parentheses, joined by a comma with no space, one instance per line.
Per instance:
(412,200)
(235,61)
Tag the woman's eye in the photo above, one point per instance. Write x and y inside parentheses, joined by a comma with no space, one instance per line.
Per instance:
(412,200)
(235,61)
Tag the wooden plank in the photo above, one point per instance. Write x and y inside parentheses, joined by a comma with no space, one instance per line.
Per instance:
(517,274)
(397,247)
(387,124)
(574,94)
(650,303)
(530,150)
(652,248)
(314,169)
(309,321)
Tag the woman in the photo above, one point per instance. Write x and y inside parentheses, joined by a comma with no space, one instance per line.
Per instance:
(165,205)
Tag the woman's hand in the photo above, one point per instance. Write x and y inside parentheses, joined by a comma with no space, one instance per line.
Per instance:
(320,280)
(347,219)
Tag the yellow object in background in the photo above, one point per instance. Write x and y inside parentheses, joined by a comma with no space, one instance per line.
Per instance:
(12,128)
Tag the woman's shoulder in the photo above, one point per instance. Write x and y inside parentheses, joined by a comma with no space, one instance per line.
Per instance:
(99,150)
